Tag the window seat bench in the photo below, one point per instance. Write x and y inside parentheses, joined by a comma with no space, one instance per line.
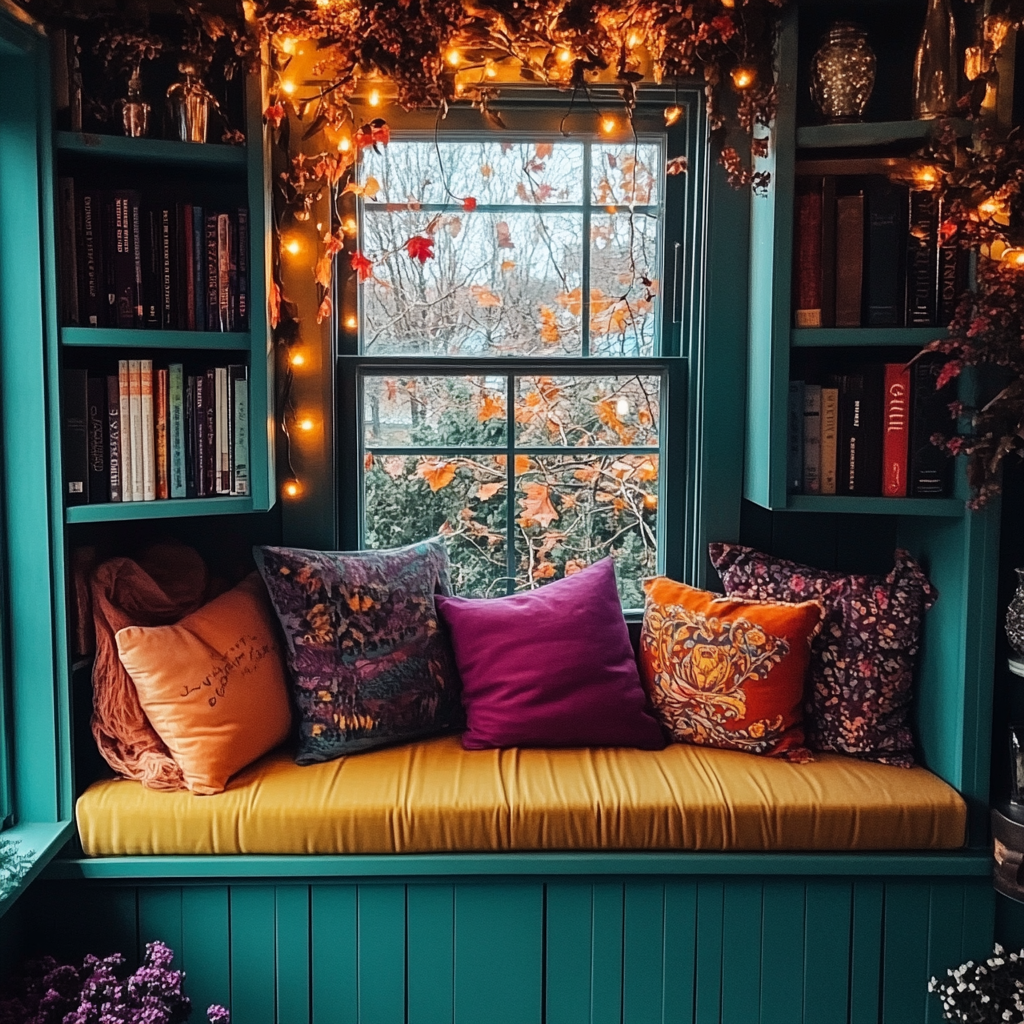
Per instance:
(433,796)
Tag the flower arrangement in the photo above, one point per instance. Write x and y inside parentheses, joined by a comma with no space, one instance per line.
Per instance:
(988,993)
(45,992)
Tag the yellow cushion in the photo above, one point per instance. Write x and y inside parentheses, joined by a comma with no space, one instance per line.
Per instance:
(433,796)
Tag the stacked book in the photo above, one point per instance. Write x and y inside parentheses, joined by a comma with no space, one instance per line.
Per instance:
(135,261)
(143,434)
(869,432)
(869,253)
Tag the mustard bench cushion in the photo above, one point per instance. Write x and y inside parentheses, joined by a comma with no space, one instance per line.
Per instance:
(433,796)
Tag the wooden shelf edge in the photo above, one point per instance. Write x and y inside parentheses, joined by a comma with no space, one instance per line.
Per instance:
(863,337)
(118,511)
(871,133)
(118,147)
(950,508)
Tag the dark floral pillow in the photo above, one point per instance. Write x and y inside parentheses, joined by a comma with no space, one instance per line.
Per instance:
(862,661)
(368,663)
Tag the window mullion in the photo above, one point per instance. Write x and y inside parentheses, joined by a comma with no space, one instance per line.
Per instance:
(510,477)
(585,254)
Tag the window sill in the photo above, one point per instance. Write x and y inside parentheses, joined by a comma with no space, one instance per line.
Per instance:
(44,839)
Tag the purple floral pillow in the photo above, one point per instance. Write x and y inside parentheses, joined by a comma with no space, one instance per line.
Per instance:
(862,661)
(368,663)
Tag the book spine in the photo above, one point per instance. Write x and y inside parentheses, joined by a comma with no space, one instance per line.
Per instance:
(114,436)
(187,277)
(896,420)
(160,397)
(921,259)
(99,471)
(148,430)
(76,436)
(795,438)
(828,251)
(886,218)
(849,259)
(198,263)
(200,435)
(951,283)
(137,436)
(233,273)
(108,246)
(210,454)
(124,400)
(176,429)
(242,319)
(239,396)
(167,303)
(812,439)
(807,258)
(139,308)
(68,249)
(930,468)
(212,300)
(91,287)
(871,433)
(151,273)
(124,261)
(191,438)
(222,473)
(829,436)
(223,271)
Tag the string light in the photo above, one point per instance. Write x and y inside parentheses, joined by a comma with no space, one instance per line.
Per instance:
(622,407)
(925,175)
(564,56)
(608,125)
(287,86)
(743,76)
(374,98)
(292,488)
(454,57)
(1014,257)
(293,246)
(306,424)
(344,144)
(672,115)
(633,40)
(348,226)
(490,70)
(351,323)
(289,43)
(297,359)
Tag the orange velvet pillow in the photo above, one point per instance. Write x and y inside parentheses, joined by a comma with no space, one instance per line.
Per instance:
(722,672)
(213,685)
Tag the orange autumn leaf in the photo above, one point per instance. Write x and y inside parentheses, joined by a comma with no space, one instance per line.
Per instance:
(572,301)
(362,266)
(523,464)
(274,305)
(322,273)
(573,566)
(549,333)
(368,461)
(368,189)
(537,504)
(647,470)
(504,234)
(544,150)
(645,418)
(588,474)
(486,491)
(469,204)
(485,170)
(484,296)
(325,310)
(491,408)
(420,248)
(507,265)
(437,473)
(544,571)
(650,501)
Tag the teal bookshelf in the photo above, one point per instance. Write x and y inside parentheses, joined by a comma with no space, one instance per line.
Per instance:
(188,155)
(113,337)
(177,508)
(948,508)
(877,133)
(863,337)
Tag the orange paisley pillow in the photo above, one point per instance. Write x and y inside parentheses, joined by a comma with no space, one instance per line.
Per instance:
(723,672)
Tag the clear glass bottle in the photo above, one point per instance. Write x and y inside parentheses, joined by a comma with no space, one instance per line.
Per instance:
(935,66)
(843,73)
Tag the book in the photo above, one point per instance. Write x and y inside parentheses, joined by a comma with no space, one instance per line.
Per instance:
(124,399)
(859,443)
(168,306)
(67,244)
(222,470)
(951,276)
(922,245)
(812,439)
(828,251)
(114,436)
(238,396)
(210,455)
(930,469)
(76,436)
(135,429)
(807,256)
(849,259)
(148,430)
(199,427)
(885,225)
(795,438)
(191,437)
(896,420)
(242,294)
(123,258)
(176,429)
(223,272)
(135,212)
(99,471)
(91,288)
(198,271)
(829,436)
(184,279)
(152,272)
(160,402)
(212,292)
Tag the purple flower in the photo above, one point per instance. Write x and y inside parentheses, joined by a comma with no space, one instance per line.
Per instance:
(216,1014)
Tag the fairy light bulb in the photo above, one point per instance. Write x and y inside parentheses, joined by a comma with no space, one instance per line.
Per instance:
(348,226)
(288,87)
(925,176)
(351,323)
(743,76)
(292,488)
(564,56)
(622,407)
(306,424)
(672,115)
(490,70)
(1014,257)
(293,246)
(297,359)
(453,57)
(633,40)
(374,98)
(344,144)
(608,125)
(989,208)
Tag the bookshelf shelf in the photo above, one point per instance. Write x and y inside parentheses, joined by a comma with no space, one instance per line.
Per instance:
(153,151)
(949,508)
(113,337)
(878,133)
(863,337)
(121,511)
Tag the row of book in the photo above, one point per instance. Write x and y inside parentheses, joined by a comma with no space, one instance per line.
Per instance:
(143,434)
(138,262)
(869,432)
(868,253)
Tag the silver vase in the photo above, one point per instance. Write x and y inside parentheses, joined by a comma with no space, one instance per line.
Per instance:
(190,104)
(843,73)
(1015,618)
(935,66)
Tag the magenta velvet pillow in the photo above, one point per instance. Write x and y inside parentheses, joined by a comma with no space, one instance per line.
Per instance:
(551,667)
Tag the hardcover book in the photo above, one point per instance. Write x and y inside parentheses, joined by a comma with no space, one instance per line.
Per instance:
(795,438)
(68,251)
(114,436)
(849,259)
(238,396)
(91,289)
(930,468)
(124,394)
(896,420)
(76,436)
(148,430)
(135,429)
(160,397)
(886,218)
(807,256)
(829,438)
(812,439)
(242,298)
(921,259)
(176,431)
(99,471)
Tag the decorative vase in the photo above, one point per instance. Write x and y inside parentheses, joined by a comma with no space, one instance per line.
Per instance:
(935,66)
(135,110)
(1015,618)
(190,103)
(843,73)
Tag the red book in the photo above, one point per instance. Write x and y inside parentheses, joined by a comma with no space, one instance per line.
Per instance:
(162,487)
(807,259)
(896,438)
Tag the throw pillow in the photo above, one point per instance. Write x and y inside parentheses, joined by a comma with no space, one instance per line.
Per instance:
(213,685)
(369,665)
(551,667)
(862,662)
(727,673)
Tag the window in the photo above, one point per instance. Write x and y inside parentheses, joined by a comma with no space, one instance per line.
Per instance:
(512,350)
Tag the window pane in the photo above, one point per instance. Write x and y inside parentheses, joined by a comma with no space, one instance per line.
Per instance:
(433,411)
(496,172)
(626,174)
(497,284)
(409,497)
(585,410)
(573,510)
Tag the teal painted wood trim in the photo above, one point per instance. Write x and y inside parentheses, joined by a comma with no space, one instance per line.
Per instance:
(950,508)
(44,840)
(333,982)
(158,152)
(742,950)
(877,133)
(116,337)
(945,938)
(863,337)
(606,944)
(643,951)
(866,952)
(430,968)
(253,954)
(827,951)
(569,952)
(680,952)
(292,933)
(159,911)
(708,966)
(771,233)
(904,951)
(965,863)
(783,913)
(380,930)
(178,508)
(206,945)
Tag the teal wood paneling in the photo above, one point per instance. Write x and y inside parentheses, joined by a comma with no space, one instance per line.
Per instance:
(334,987)
(945,937)
(782,962)
(826,951)
(569,921)
(979,922)
(710,909)
(430,916)
(741,951)
(643,952)
(205,946)
(381,952)
(292,941)
(866,952)
(905,951)
(160,920)
(606,979)
(680,950)
(253,959)
(498,953)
